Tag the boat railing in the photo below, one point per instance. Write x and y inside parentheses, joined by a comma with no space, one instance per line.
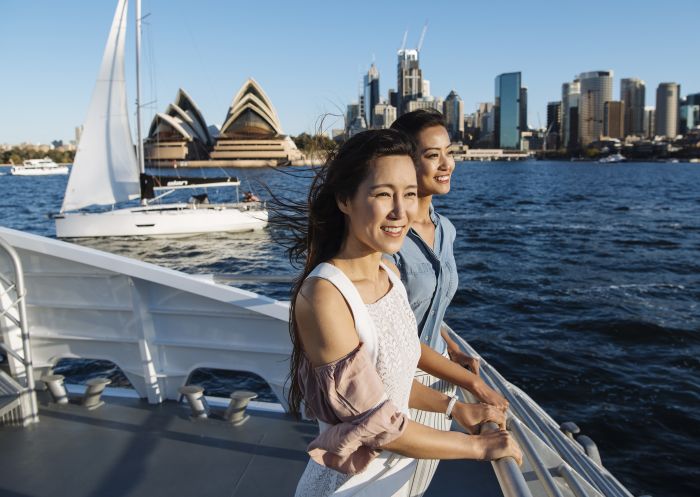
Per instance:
(13,319)
(508,473)
(559,463)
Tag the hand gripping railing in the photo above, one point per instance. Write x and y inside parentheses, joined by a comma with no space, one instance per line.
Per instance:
(507,472)
(14,293)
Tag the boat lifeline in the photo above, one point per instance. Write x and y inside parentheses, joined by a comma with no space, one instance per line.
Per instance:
(60,300)
(108,171)
(38,167)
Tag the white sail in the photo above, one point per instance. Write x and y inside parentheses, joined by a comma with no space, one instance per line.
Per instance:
(105,170)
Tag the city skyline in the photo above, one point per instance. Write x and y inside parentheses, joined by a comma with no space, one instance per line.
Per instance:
(314,63)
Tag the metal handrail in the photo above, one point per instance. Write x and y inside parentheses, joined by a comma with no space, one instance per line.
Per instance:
(535,461)
(551,436)
(21,305)
(554,437)
(510,478)
(507,472)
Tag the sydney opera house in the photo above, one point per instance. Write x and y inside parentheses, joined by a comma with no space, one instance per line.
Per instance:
(250,136)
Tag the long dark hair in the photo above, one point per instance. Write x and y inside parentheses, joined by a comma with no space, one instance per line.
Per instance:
(414,122)
(318,227)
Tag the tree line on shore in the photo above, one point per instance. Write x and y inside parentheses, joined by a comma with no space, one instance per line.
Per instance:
(308,144)
(16,155)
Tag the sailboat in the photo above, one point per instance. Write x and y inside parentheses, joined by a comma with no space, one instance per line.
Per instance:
(109,170)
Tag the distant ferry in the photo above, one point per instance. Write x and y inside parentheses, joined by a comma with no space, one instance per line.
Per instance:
(610,159)
(38,167)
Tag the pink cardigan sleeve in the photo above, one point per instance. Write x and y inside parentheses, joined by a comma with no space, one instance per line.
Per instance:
(349,395)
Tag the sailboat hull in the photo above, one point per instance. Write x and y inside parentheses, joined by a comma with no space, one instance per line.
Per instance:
(162,220)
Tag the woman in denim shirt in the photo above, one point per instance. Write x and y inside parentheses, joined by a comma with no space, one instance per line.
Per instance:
(429,272)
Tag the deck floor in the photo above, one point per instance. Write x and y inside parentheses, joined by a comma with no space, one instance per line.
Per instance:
(131,448)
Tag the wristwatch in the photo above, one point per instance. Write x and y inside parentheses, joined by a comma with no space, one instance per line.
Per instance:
(450,407)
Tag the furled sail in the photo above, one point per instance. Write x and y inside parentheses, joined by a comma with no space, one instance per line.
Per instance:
(105,170)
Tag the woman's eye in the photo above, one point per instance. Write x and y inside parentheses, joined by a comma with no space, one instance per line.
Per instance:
(411,194)
(383,194)
(431,156)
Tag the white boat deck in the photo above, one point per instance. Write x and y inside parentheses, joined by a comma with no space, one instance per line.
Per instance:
(158,326)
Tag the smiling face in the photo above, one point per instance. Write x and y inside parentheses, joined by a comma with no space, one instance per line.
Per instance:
(435,161)
(380,212)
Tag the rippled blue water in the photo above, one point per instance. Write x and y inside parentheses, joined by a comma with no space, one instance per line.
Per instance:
(580,282)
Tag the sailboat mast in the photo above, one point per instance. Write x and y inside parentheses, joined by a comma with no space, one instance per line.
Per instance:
(139,140)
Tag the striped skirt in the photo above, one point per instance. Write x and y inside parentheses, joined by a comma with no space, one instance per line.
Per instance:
(426,467)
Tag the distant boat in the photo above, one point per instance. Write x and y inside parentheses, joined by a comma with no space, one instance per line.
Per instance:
(38,167)
(107,170)
(611,159)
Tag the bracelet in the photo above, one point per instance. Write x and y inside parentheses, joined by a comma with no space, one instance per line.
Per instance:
(450,407)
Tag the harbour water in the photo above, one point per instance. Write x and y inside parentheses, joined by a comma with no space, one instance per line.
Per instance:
(580,282)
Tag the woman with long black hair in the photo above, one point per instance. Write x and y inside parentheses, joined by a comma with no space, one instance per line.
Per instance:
(355,338)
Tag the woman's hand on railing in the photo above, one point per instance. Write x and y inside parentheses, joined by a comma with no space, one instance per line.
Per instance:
(488,395)
(471,363)
(472,416)
(500,444)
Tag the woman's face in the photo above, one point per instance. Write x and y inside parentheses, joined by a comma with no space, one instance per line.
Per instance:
(435,161)
(384,205)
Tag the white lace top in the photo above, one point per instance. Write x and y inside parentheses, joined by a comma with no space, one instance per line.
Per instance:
(399,347)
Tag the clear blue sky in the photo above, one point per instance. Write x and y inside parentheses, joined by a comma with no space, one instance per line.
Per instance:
(309,56)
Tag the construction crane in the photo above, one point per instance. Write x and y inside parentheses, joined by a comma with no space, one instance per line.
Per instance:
(403,43)
(422,36)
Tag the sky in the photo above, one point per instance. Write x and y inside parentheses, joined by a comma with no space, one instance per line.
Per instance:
(309,56)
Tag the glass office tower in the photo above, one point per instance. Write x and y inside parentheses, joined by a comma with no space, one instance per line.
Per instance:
(507,111)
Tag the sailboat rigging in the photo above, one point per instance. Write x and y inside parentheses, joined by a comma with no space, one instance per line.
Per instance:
(109,170)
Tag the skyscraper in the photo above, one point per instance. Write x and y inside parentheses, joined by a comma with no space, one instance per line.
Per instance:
(596,89)
(667,100)
(410,79)
(649,122)
(507,111)
(484,118)
(687,120)
(371,98)
(614,119)
(553,131)
(570,93)
(689,117)
(425,92)
(393,97)
(454,115)
(693,99)
(632,94)
(523,109)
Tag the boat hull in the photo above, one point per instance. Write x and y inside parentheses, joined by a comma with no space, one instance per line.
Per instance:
(164,220)
(38,171)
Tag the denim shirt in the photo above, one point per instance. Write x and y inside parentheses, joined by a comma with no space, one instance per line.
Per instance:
(430,277)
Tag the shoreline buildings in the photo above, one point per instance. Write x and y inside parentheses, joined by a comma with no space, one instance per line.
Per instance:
(586,119)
